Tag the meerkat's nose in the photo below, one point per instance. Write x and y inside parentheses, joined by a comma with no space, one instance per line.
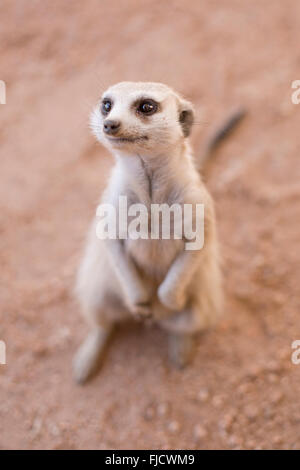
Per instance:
(111,127)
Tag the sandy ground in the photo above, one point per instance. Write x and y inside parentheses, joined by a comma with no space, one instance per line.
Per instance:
(242,390)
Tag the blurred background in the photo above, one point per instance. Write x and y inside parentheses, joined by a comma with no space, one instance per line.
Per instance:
(56,57)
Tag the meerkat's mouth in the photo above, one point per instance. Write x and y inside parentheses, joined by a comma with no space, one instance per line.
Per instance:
(127,139)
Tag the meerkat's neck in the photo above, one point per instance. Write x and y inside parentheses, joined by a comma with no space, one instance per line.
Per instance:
(158,176)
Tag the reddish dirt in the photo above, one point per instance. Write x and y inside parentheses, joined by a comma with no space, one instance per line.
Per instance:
(242,390)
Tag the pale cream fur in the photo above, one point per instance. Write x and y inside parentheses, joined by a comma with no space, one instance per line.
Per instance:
(180,290)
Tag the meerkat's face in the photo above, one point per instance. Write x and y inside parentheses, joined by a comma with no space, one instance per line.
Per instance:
(141,117)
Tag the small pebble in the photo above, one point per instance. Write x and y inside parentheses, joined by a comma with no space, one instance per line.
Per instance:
(217,401)
(163,409)
(54,429)
(276,397)
(251,411)
(277,440)
(199,432)
(244,388)
(173,426)
(149,413)
(203,395)
(227,421)
(272,378)
(235,441)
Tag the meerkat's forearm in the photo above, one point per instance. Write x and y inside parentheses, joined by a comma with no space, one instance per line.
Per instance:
(172,290)
(127,274)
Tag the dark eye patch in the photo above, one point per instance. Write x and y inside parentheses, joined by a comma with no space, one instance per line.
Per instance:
(106,106)
(146,107)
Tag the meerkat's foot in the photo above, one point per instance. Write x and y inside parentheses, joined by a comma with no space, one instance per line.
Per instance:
(181,349)
(89,356)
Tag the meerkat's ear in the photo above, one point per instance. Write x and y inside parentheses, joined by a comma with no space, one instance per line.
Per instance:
(186,116)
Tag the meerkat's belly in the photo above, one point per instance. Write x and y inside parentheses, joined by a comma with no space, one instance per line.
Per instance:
(153,257)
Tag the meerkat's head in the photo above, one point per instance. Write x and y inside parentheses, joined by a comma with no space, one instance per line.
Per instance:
(141,117)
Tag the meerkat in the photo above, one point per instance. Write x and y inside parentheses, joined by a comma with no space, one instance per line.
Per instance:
(146,127)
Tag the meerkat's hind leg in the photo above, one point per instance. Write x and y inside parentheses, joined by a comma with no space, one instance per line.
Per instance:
(181,349)
(89,356)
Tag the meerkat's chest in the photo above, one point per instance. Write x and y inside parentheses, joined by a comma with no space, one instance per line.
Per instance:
(154,237)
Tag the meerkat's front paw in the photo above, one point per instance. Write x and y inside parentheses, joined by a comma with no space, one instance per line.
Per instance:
(141,311)
(138,302)
(172,299)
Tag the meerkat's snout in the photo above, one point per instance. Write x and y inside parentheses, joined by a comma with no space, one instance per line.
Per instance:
(111,127)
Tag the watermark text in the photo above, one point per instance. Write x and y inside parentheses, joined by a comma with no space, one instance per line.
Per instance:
(295,358)
(160,221)
(2,353)
(296,94)
(2,92)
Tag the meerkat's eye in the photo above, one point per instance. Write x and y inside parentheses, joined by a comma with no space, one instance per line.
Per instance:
(147,107)
(106,106)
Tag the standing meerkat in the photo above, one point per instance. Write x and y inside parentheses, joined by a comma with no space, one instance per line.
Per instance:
(146,127)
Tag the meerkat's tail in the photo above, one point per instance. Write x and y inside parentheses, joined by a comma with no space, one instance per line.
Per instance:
(219,136)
